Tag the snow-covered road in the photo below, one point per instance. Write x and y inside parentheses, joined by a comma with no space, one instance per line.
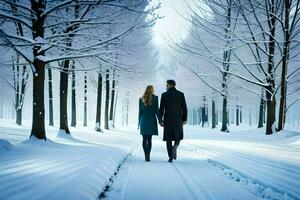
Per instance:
(189,177)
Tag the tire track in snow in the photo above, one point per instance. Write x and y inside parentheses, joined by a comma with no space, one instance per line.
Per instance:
(256,187)
(206,182)
(107,188)
(129,177)
(191,184)
(130,187)
(217,151)
(265,190)
(126,160)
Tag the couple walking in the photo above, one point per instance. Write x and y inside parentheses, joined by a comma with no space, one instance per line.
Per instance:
(172,115)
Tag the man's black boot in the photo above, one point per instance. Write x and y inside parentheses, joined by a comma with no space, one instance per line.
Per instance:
(174,152)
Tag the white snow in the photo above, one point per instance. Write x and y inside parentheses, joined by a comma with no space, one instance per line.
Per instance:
(63,167)
(243,164)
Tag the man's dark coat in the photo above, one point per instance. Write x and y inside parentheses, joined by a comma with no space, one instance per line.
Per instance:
(174,112)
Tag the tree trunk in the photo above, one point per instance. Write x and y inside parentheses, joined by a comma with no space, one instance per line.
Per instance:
(261,113)
(19,116)
(206,115)
(237,120)
(114,117)
(111,112)
(226,67)
(213,117)
(38,111)
(203,115)
(106,125)
(224,116)
(271,110)
(73,118)
(264,111)
(64,97)
(217,117)
(196,117)
(51,121)
(99,104)
(85,101)
(270,93)
(199,116)
(17,96)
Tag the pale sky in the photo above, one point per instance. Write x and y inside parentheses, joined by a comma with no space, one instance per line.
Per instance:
(171,25)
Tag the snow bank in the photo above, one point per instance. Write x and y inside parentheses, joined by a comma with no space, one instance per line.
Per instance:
(63,171)
(77,166)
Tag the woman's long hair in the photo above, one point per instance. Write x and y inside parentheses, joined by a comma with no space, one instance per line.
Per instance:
(147,97)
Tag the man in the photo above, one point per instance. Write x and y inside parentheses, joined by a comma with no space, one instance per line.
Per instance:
(174,112)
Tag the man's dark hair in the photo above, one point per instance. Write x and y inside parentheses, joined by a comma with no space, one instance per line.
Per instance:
(171,83)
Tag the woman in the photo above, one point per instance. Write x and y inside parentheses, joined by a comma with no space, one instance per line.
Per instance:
(148,112)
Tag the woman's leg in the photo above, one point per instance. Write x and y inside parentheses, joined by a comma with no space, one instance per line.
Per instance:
(146,147)
(145,144)
(149,143)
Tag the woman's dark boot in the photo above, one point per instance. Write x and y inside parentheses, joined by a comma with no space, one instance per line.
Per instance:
(147,157)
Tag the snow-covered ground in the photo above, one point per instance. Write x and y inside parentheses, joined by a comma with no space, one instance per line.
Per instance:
(268,166)
(243,164)
(64,167)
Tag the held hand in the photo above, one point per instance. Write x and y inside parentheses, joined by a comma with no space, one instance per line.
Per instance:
(161,124)
(184,123)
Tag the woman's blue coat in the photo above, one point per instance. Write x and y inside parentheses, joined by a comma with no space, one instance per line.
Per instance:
(148,116)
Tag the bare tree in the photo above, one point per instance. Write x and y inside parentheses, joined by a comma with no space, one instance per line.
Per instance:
(99,103)
(249,28)
(50,28)
(20,72)
(213,114)
(222,28)
(113,90)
